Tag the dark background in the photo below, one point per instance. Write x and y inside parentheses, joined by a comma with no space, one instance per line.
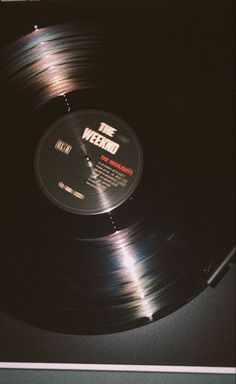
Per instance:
(196,57)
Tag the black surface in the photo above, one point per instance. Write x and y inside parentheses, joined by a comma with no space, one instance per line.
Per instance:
(202,333)
(192,98)
(75,377)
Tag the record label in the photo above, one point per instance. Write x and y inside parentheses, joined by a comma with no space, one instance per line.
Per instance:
(88,162)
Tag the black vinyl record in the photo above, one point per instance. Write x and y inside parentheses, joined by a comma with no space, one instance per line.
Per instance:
(116,195)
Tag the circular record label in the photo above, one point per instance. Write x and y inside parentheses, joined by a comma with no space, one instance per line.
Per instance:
(88,162)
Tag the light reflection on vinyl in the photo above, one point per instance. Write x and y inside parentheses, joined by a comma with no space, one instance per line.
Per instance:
(108,226)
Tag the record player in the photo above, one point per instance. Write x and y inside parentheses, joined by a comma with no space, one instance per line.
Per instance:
(118,196)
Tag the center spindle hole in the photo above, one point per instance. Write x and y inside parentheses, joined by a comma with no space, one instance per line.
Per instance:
(88,161)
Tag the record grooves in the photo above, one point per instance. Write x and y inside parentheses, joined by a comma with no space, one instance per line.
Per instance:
(112,220)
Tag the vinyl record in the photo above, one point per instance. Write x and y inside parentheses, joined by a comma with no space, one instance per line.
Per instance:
(116,204)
